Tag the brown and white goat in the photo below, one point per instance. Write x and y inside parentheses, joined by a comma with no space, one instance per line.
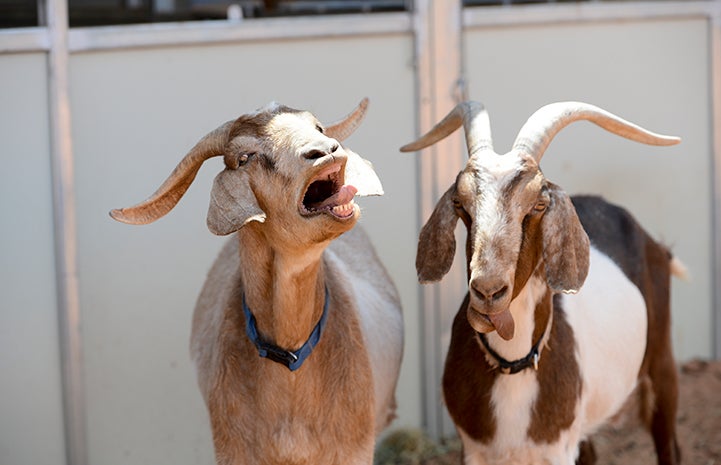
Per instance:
(556,331)
(296,277)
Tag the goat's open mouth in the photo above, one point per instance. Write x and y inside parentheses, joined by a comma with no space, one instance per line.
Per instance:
(326,193)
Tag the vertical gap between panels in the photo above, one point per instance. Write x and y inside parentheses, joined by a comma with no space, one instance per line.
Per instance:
(437,29)
(68,305)
(715,54)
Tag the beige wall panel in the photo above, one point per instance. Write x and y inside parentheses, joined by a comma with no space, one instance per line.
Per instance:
(654,73)
(31,419)
(135,114)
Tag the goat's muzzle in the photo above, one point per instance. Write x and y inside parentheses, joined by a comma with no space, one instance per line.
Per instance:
(488,309)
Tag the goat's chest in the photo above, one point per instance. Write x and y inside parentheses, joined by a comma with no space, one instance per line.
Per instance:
(264,414)
(587,372)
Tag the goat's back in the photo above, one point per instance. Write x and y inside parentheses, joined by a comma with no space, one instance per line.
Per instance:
(616,233)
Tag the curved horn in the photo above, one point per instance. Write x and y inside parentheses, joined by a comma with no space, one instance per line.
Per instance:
(171,191)
(538,132)
(342,129)
(473,116)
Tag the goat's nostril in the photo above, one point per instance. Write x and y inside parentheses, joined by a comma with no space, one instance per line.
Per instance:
(499,293)
(489,294)
(313,154)
(334,148)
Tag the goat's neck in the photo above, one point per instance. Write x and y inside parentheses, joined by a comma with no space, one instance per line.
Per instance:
(284,288)
(531,311)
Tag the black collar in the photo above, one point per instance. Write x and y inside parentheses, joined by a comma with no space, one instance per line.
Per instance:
(291,359)
(511,368)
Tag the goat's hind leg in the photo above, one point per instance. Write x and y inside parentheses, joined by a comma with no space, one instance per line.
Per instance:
(658,390)
(663,417)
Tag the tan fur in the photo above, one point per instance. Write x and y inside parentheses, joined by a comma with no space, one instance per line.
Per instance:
(287,192)
(260,412)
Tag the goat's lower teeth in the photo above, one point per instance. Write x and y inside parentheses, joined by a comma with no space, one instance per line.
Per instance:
(342,208)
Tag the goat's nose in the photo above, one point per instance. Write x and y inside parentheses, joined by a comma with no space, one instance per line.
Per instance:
(320,152)
(489,291)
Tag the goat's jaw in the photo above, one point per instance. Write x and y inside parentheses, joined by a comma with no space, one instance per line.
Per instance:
(326,194)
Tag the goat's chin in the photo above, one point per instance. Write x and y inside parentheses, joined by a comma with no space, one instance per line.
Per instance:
(343,218)
(501,322)
(329,226)
(479,321)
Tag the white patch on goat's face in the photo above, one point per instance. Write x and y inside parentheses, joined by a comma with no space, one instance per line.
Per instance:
(481,188)
(292,132)
(496,193)
(608,317)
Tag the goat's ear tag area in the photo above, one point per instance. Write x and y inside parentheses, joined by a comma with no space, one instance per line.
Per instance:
(232,203)
(360,174)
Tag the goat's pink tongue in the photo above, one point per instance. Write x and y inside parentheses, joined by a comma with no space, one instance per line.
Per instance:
(503,322)
(342,197)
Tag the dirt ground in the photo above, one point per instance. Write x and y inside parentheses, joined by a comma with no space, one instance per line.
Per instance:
(699,424)
(699,431)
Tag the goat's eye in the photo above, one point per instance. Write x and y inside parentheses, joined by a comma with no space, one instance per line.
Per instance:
(319,128)
(244,157)
(541,205)
(544,199)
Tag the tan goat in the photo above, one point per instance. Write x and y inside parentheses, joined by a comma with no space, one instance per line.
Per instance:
(296,278)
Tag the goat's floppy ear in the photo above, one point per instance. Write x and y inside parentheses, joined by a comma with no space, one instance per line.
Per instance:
(437,241)
(232,203)
(360,174)
(565,244)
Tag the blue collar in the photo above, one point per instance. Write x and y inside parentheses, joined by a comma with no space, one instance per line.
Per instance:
(292,360)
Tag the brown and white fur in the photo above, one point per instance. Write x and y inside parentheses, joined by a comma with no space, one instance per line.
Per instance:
(287,192)
(580,279)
